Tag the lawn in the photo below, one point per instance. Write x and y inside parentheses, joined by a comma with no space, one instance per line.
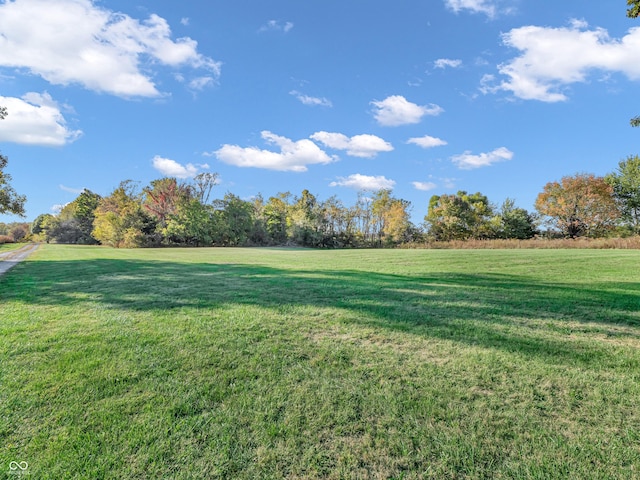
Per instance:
(7,247)
(283,363)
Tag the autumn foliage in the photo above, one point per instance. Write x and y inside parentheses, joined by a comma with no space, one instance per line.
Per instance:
(581,204)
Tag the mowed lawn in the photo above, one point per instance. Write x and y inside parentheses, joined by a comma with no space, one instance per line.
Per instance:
(285,363)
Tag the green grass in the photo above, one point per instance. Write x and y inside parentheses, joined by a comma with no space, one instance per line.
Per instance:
(275,363)
(7,247)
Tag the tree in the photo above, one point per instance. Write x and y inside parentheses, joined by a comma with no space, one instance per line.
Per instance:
(121,221)
(162,198)
(203,183)
(10,201)
(235,221)
(513,222)
(390,217)
(191,224)
(626,190)
(19,231)
(41,224)
(259,234)
(459,217)
(276,212)
(75,221)
(307,220)
(582,204)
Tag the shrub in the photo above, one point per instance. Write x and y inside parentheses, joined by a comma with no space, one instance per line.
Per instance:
(6,239)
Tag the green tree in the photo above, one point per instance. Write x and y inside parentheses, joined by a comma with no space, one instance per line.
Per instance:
(307,220)
(625,182)
(235,221)
(41,225)
(10,201)
(192,224)
(259,234)
(75,221)
(513,222)
(582,204)
(121,221)
(276,213)
(460,217)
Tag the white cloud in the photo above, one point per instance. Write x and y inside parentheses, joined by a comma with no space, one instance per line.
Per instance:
(488,7)
(70,189)
(447,62)
(35,119)
(424,186)
(276,26)
(200,83)
(396,110)
(171,168)
(57,208)
(77,42)
(185,21)
(364,146)
(363,182)
(427,141)
(311,101)
(467,161)
(292,157)
(553,58)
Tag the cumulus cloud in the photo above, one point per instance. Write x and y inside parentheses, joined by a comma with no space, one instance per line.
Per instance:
(447,62)
(292,157)
(35,119)
(467,161)
(424,186)
(552,58)
(364,182)
(311,101)
(396,110)
(427,141)
(276,26)
(364,146)
(171,168)
(77,42)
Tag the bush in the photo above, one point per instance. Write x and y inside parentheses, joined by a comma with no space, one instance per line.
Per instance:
(6,239)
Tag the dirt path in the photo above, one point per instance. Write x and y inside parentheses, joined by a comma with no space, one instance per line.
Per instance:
(13,257)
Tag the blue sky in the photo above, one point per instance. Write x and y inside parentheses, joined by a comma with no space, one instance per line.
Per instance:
(425,97)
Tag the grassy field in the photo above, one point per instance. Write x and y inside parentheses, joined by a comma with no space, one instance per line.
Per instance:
(273,363)
(7,247)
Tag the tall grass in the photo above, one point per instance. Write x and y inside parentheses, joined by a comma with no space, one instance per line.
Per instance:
(537,243)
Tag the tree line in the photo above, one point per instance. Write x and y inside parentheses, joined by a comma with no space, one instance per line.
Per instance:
(169,212)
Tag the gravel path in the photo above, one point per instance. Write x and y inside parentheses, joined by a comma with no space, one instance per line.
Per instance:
(13,257)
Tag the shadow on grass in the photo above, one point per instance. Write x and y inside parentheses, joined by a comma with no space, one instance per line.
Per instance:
(496,311)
